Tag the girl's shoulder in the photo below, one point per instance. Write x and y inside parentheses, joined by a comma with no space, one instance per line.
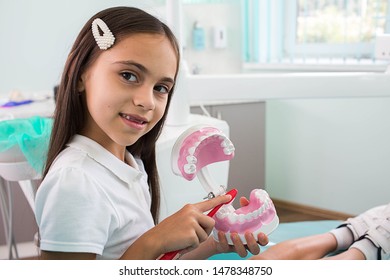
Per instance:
(71,158)
(72,176)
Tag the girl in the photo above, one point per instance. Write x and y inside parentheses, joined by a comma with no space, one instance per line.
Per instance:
(100,194)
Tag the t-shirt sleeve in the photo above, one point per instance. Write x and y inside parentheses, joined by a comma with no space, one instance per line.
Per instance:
(73,213)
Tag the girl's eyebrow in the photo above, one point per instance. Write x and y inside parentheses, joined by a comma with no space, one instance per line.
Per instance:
(142,68)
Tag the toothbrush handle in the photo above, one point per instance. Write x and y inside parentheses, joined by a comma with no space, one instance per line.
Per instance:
(233,193)
(170,255)
(214,210)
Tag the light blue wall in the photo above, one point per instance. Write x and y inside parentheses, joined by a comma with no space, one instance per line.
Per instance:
(213,60)
(329,153)
(36,37)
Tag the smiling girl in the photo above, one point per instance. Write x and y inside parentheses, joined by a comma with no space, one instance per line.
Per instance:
(99,197)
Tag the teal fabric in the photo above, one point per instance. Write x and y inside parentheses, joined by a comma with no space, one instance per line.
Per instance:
(287,231)
(31,135)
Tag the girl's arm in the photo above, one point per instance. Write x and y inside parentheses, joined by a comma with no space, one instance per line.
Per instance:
(184,230)
(48,255)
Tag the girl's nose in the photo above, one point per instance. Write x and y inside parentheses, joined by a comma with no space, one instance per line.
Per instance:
(144,97)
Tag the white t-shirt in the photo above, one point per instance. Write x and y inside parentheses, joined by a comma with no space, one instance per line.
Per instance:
(92,202)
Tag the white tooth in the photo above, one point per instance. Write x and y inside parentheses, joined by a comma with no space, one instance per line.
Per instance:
(232,218)
(261,209)
(248,217)
(220,215)
(196,144)
(241,218)
(202,138)
(190,168)
(226,211)
(228,146)
(228,208)
(223,212)
(254,214)
(227,151)
(260,194)
(192,159)
(191,150)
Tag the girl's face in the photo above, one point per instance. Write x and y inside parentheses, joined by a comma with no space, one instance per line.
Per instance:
(127,90)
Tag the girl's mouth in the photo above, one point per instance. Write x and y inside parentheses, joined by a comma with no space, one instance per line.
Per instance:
(134,119)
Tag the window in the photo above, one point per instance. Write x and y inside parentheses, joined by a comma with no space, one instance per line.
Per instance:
(322,34)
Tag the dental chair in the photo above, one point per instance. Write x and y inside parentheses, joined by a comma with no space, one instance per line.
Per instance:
(25,176)
(16,169)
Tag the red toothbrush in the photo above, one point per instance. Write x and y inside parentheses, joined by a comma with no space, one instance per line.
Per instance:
(176,254)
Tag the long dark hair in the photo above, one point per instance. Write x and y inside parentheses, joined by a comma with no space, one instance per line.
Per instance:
(69,115)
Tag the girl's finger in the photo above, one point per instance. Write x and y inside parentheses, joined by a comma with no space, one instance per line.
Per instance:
(223,241)
(252,244)
(240,248)
(211,203)
(244,201)
(262,239)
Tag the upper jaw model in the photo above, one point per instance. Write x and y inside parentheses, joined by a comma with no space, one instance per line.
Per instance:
(200,146)
(258,216)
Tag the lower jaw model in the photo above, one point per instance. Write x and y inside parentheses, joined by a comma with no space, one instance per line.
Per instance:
(258,216)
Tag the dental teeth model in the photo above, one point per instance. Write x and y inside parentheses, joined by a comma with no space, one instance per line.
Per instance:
(203,145)
(200,146)
(258,216)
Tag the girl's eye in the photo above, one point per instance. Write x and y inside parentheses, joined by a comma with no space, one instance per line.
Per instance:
(161,89)
(129,76)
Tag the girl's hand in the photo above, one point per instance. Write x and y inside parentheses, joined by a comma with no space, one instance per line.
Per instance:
(185,229)
(242,250)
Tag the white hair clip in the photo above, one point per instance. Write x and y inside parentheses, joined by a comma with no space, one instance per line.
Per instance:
(107,39)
